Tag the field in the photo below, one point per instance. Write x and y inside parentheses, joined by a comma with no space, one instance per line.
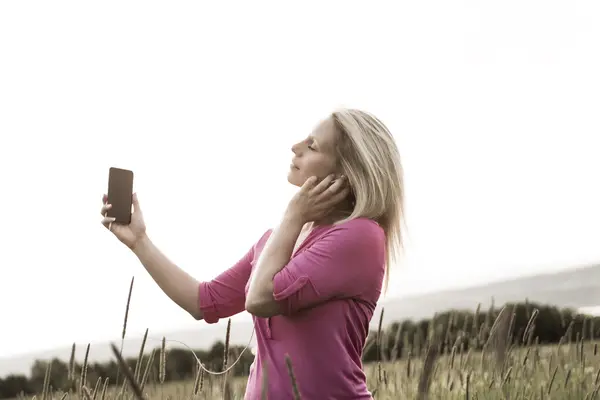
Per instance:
(499,364)
(551,372)
(570,370)
(556,373)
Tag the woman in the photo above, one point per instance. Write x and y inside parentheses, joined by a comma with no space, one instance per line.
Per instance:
(313,282)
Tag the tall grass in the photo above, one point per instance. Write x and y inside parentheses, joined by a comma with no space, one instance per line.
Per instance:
(505,368)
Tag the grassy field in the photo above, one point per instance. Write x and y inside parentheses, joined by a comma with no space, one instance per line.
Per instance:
(569,370)
(529,373)
(542,373)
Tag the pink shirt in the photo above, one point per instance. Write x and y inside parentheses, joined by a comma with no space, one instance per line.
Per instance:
(328,292)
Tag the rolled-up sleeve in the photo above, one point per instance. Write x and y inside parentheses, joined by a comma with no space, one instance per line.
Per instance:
(347,262)
(225,295)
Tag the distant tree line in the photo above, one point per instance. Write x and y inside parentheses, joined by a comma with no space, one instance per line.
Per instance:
(180,364)
(529,323)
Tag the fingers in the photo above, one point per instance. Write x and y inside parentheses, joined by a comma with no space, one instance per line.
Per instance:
(105,209)
(309,184)
(107,222)
(135,202)
(333,188)
(335,194)
(323,185)
(340,196)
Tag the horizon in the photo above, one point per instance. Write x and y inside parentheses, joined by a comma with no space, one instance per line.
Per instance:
(245,317)
(204,336)
(496,129)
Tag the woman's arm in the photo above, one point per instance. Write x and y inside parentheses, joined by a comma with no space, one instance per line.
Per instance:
(346,262)
(175,282)
(221,297)
(273,258)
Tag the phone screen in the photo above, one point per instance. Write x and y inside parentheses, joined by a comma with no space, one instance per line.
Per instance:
(120,190)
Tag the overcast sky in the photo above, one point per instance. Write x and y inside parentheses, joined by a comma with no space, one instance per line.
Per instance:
(494,106)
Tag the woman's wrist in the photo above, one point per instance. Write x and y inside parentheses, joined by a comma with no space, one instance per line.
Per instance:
(140,244)
(292,219)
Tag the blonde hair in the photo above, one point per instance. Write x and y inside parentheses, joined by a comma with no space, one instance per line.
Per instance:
(370,159)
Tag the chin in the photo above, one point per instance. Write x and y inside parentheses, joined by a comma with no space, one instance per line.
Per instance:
(294,179)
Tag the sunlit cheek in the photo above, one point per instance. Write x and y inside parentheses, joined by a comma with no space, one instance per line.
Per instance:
(312,169)
(325,167)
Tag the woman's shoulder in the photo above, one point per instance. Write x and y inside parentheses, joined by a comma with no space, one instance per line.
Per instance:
(358,235)
(361,226)
(362,223)
(358,243)
(363,229)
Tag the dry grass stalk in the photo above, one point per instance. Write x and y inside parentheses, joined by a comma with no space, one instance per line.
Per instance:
(530,324)
(226,384)
(127,309)
(384,347)
(227,391)
(379,339)
(147,370)
(104,389)
(199,377)
(428,366)
(86,393)
(96,388)
(290,368)
(552,379)
(138,365)
(594,393)
(163,361)
(475,329)
(567,377)
(226,351)
(124,331)
(465,361)
(71,372)
(137,391)
(46,386)
(395,347)
(83,380)
(499,336)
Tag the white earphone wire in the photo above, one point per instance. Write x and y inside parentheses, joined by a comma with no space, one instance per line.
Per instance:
(200,364)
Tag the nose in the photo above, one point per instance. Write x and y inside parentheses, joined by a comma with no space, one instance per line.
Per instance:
(296,148)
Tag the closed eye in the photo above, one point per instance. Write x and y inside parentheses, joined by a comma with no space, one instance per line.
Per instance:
(311,142)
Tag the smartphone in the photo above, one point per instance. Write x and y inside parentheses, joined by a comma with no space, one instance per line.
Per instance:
(120,192)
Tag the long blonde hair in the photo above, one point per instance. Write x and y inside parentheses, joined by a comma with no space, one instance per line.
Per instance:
(369,157)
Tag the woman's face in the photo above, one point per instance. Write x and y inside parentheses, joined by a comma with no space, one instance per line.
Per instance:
(315,155)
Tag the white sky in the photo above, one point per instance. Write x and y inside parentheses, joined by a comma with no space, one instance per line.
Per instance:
(494,106)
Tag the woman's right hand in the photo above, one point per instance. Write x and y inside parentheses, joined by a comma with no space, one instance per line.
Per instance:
(130,234)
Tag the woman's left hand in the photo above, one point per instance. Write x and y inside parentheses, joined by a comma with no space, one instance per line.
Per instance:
(315,201)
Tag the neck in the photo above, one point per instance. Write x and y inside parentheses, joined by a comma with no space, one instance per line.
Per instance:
(342,211)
